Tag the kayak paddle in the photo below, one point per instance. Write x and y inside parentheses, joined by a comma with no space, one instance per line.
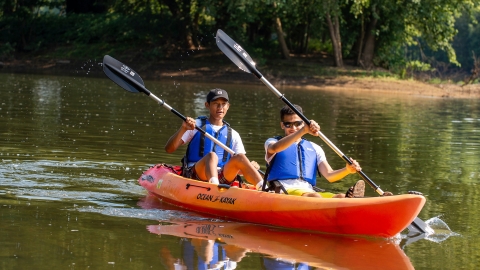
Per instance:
(242,59)
(129,80)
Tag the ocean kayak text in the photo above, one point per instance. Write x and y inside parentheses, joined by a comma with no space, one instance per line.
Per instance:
(212,198)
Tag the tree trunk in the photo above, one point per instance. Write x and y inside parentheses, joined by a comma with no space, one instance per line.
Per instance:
(307,37)
(189,37)
(357,47)
(281,39)
(302,41)
(334,29)
(195,29)
(366,58)
(8,7)
(181,13)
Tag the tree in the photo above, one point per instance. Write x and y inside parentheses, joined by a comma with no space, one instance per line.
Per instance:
(180,10)
(332,10)
(280,35)
(391,25)
(85,6)
(367,40)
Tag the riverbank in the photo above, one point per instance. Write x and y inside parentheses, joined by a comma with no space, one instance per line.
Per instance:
(298,72)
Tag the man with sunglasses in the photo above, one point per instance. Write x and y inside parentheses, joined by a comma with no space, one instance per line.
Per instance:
(205,160)
(294,161)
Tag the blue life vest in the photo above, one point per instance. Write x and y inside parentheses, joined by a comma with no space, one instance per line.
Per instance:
(297,161)
(279,264)
(193,260)
(199,146)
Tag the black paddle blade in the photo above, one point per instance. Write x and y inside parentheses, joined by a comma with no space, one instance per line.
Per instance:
(123,75)
(419,226)
(235,52)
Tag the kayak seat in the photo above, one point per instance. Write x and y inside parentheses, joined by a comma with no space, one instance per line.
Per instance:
(275,186)
(317,189)
(272,185)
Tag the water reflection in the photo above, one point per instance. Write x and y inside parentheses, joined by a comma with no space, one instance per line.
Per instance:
(47,103)
(213,243)
(199,103)
(203,254)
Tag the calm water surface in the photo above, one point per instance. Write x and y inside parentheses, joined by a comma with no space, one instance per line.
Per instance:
(72,149)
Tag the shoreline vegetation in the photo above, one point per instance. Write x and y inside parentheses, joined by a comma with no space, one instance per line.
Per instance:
(420,48)
(313,73)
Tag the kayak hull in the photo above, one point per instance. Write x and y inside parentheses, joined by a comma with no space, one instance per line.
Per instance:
(376,216)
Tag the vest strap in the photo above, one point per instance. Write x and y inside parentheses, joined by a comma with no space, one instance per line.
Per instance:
(203,125)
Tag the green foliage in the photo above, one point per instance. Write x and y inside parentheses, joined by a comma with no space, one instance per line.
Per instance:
(154,54)
(6,51)
(435,81)
(413,66)
(317,46)
(407,33)
(37,33)
(467,41)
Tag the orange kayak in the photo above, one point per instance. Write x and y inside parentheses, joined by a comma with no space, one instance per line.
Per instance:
(322,251)
(372,216)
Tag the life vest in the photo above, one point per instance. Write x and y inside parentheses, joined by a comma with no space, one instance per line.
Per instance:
(199,145)
(194,260)
(297,161)
(279,264)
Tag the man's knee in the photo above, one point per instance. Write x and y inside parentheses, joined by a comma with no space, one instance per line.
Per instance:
(211,156)
(311,194)
(239,158)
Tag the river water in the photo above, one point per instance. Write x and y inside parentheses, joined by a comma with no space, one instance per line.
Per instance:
(73,147)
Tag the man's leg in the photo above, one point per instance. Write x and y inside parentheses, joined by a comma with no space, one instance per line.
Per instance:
(302,192)
(206,168)
(240,163)
(312,194)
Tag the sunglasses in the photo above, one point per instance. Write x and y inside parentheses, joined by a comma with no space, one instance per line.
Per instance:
(291,124)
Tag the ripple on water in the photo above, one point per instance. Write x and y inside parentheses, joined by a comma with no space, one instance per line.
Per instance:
(161,215)
(79,181)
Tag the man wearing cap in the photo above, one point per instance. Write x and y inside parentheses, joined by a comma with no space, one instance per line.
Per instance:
(205,160)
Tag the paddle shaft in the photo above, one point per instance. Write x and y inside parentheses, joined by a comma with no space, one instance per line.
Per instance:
(141,88)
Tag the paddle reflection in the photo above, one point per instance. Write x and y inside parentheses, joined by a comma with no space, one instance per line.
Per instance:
(222,245)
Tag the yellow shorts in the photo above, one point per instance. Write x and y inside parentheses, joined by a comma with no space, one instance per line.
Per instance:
(301,191)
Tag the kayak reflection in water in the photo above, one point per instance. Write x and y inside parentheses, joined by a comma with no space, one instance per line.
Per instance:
(229,242)
(204,254)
